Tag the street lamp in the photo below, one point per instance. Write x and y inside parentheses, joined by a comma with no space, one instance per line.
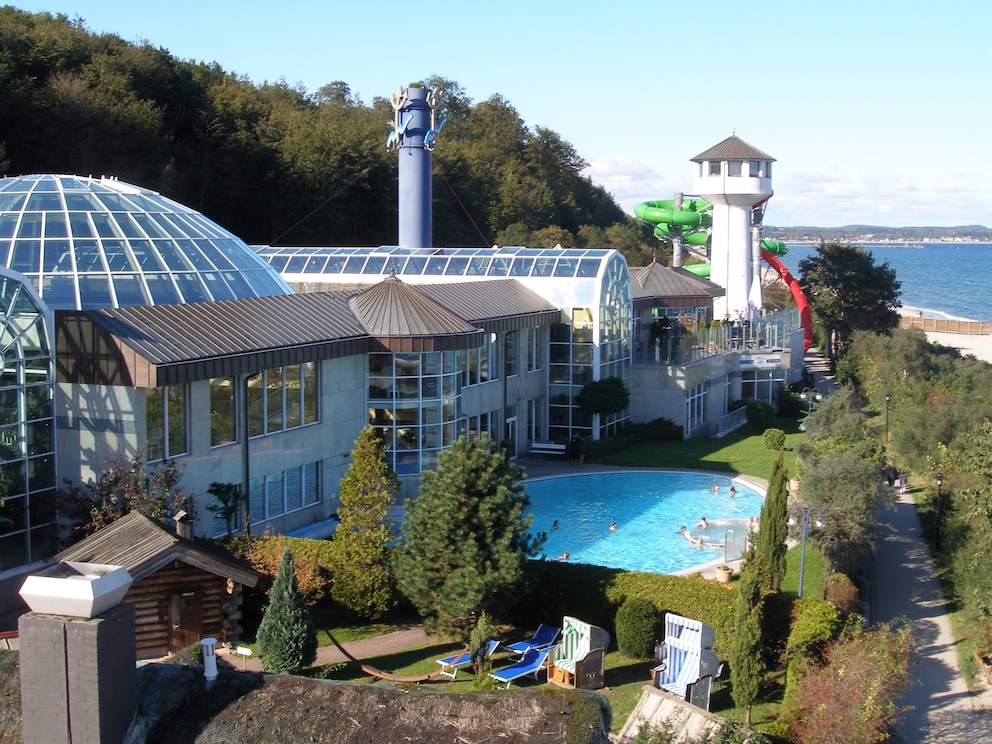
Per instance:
(940,482)
(888,399)
(809,395)
(804,515)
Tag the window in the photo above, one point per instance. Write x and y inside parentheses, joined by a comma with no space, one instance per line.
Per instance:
(222,411)
(165,422)
(510,365)
(735,168)
(695,406)
(714,167)
(281,493)
(535,349)
(282,398)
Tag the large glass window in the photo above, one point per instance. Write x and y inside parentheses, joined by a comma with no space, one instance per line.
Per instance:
(415,405)
(282,398)
(223,429)
(276,494)
(27,446)
(510,354)
(166,422)
(695,406)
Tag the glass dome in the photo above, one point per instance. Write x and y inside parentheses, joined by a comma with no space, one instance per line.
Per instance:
(98,242)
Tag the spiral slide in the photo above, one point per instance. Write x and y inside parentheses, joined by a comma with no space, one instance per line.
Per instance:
(695,214)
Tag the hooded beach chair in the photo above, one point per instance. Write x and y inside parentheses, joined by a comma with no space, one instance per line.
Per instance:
(578,661)
(450,664)
(535,660)
(544,636)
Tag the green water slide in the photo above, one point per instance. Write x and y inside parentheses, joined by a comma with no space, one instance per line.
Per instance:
(694,215)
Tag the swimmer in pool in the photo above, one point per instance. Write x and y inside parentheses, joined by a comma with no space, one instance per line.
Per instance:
(696,542)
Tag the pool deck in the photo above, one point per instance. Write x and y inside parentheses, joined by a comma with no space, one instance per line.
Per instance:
(550,467)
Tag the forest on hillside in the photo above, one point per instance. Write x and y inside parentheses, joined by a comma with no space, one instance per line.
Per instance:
(281,165)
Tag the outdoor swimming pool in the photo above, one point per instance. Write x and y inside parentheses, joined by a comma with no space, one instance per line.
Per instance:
(648,508)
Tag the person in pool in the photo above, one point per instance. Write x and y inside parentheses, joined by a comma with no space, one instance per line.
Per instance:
(732,491)
(696,542)
(702,523)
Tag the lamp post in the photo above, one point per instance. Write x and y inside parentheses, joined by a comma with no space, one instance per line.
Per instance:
(888,399)
(804,515)
(940,482)
(809,395)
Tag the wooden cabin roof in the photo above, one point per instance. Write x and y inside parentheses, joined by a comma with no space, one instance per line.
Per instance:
(143,546)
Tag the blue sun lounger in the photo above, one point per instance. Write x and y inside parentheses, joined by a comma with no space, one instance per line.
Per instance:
(544,636)
(450,664)
(534,661)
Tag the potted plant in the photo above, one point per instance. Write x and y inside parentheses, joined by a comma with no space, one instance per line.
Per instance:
(723,574)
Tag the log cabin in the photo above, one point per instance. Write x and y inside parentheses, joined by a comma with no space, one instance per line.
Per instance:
(184,588)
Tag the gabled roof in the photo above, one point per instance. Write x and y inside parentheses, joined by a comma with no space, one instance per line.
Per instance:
(143,546)
(653,283)
(732,148)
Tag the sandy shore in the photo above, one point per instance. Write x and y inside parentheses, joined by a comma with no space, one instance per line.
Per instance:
(967,343)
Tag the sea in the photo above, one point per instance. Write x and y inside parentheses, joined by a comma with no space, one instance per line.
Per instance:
(940,280)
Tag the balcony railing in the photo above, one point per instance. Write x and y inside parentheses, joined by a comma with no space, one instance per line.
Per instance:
(764,333)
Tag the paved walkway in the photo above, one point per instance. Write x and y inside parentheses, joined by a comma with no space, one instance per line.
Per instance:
(367,648)
(904,584)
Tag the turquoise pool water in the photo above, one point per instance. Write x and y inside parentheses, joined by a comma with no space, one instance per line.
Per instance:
(648,508)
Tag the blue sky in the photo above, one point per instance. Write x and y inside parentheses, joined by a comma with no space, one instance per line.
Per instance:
(877,111)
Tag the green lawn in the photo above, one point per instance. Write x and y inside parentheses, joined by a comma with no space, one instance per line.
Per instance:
(741,452)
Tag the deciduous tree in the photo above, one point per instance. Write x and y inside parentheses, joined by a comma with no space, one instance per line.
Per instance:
(848,291)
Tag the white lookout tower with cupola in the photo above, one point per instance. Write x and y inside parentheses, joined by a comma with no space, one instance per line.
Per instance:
(736,179)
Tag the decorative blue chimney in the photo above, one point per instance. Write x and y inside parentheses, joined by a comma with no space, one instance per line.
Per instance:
(415,130)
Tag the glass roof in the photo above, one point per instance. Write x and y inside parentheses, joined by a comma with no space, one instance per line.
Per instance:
(302,264)
(98,242)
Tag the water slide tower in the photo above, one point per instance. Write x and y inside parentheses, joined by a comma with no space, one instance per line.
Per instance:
(735,178)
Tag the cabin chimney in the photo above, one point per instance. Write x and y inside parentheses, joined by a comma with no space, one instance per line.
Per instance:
(184,524)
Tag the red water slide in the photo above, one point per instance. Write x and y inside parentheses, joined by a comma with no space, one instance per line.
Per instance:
(797,294)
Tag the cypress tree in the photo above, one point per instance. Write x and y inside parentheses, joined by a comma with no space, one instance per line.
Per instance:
(465,540)
(746,664)
(770,549)
(363,579)
(286,636)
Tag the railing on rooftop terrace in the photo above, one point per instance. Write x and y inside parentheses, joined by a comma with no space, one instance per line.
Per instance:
(764,333)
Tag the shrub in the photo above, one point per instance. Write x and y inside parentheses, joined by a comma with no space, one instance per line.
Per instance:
(638,628)
(313,559)
(842,593)
(773,439)
(760,415)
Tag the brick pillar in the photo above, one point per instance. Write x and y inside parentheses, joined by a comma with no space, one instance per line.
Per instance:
(78,677)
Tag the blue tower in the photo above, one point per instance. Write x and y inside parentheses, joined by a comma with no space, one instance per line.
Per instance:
(415,130)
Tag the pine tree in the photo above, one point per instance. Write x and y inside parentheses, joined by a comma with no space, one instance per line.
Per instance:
(770,549)
(746,664)
(363,578)
(286,636)
(465,538)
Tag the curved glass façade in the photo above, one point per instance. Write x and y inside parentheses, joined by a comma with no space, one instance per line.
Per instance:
(27,445)
(97,242)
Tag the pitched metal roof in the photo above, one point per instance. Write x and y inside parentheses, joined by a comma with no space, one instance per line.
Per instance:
(500,304)
(398,315)
(656,285)
(732,148)
(143,546)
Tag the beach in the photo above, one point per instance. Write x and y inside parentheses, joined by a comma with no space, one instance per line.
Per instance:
(979,345)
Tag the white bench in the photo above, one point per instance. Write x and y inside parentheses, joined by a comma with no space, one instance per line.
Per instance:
(547,448)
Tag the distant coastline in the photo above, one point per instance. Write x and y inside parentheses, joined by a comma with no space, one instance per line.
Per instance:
(877,234)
